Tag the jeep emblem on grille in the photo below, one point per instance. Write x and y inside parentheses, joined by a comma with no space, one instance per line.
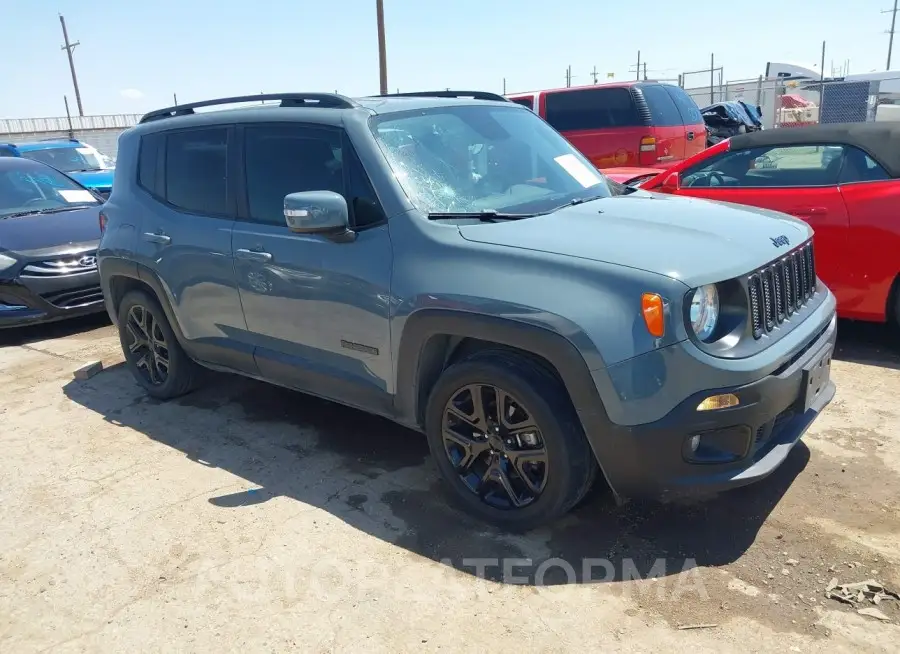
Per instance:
(779,241)
(87,262)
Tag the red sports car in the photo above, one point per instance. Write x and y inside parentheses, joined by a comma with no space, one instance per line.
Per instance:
(844,180)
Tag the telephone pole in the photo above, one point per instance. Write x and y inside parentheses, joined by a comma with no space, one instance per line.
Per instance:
(68,47)
(891,32)
(382,54)
(594,74)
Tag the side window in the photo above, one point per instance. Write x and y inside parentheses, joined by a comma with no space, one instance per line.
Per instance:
(663,111)
(778,167)
(149,169)
(690,112)
(591,109)
(860,167)
(525,102)
(281,159)
(195,170)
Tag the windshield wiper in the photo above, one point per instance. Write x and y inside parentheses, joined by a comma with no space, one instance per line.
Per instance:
(485,215)
(40,212)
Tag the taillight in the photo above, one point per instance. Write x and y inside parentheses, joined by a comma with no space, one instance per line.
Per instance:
(648,151)
(103,220)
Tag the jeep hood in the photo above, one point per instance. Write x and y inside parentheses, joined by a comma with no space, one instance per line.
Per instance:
(695,241)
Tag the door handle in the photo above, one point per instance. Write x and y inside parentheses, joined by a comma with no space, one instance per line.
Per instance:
(253,255)
(154,237)
(809,211)
(690,136)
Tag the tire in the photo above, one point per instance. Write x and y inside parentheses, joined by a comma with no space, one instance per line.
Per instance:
(181,372)
(569,468)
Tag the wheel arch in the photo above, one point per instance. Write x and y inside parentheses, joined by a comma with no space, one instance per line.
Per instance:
(432,339)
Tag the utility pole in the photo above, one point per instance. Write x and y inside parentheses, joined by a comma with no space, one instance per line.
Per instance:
(638,69)
(645,71)
(69,117)
(891,37)
(68,47)
(594,74)
(504,86)
(175,98)
(712,78)
(382,54)
(569,76)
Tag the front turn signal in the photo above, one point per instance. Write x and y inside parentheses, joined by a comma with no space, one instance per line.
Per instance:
(654,317)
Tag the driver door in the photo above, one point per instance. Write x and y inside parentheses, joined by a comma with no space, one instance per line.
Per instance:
(798,180)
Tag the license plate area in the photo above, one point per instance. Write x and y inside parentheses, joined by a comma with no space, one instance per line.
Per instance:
(816,375)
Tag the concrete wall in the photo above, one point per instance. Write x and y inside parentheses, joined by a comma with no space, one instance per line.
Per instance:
(100,131)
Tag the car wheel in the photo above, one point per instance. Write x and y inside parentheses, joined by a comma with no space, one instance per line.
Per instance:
(152,352)
(507,440)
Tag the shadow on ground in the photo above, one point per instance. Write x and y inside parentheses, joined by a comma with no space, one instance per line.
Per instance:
(868,344)
(378,477)
(19,336)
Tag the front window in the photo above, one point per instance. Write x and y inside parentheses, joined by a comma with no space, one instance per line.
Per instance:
(73,159)
(25,192)
(475,159)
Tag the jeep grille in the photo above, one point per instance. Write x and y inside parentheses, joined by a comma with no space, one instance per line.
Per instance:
(781,288)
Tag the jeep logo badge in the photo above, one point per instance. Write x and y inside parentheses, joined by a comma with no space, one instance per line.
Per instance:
(779,241)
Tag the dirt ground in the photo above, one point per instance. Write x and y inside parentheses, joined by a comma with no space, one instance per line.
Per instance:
(246,517)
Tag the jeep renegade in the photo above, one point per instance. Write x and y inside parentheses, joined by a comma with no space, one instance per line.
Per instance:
(451,262)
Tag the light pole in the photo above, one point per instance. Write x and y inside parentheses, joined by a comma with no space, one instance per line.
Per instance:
(382,56)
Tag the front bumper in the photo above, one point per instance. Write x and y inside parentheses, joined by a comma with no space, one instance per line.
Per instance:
(28,300)
(746,442)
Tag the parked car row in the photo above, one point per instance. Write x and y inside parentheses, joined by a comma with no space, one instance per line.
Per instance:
(79,160)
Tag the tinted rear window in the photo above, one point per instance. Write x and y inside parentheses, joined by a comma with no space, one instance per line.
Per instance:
(663,112)
(525,102)
(592,109)
(690,112)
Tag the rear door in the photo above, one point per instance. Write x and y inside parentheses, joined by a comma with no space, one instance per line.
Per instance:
(603,123)
(694,125)
(796,180)
(872,199)
(187,216)
(668,130)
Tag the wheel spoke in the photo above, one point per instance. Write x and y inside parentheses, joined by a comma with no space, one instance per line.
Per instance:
(472,449)
(503,479)
(522,458)
(137,341)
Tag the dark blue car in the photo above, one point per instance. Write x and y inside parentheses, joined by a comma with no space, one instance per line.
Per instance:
(79,160)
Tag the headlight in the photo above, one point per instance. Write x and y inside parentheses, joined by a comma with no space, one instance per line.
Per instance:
(6,262)
(705,311)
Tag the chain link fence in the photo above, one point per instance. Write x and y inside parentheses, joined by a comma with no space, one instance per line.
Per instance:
(795,103)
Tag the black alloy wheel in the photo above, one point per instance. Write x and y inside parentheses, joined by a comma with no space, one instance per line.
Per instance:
(147,345)
(495,445)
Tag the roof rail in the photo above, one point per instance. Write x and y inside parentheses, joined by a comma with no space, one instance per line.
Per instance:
(329,100)
(57,138)
(475,95)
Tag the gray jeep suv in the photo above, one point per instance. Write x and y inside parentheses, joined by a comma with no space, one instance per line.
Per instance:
(454,264)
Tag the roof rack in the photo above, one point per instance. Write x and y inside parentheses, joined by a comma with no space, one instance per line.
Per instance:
(57,138)
(322,100)
(475,95)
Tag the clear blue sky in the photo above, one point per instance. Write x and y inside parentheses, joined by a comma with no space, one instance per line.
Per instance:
(134,55)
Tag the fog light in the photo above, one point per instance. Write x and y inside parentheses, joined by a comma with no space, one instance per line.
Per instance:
(694,443)
(714,402)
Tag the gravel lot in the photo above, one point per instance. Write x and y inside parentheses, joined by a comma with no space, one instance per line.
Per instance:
(246,517)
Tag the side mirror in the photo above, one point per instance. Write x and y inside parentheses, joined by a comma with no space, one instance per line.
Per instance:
(671,183)
(318,212)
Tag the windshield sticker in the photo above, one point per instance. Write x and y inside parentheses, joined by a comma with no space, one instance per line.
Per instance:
(87,150)
(76,195)
(581,173)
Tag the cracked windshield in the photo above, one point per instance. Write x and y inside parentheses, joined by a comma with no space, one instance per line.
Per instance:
(476,160)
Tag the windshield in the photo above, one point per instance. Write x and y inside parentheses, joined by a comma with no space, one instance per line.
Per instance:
(38,191)
(481,158)
(71,159)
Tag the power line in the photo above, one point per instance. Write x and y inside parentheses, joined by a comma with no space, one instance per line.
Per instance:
(68,47)
(893,13)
